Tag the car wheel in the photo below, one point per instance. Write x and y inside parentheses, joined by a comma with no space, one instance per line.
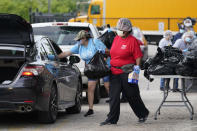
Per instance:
(50,115)
(77,107)
(97,94)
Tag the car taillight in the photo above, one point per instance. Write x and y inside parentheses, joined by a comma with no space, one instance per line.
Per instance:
(32,70)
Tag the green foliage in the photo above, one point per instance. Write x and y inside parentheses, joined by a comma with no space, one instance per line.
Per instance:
(21,7)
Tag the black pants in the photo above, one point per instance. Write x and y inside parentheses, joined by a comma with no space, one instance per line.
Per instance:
(119,83)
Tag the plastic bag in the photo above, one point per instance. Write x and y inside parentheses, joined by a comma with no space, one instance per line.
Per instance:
(161,70)
(97,67)
(133,77)
(107,38)
(184,70)
(164,62)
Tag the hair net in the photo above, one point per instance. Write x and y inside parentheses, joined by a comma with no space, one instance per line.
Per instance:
(190,34)
(124,24)
(167,33)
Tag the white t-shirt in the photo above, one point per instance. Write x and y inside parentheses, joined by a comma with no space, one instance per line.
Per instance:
(180,44)
(163,42)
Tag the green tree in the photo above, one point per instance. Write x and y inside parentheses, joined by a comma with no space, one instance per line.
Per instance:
(21,7)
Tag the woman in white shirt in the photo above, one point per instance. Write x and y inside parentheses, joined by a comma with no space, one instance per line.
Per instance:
(165,41)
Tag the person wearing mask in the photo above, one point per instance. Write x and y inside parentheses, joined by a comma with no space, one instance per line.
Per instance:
(86,47)
(165,41)
(185,42)
(189,23)
(125,50)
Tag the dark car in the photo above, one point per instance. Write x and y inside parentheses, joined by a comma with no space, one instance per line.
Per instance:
(32,77)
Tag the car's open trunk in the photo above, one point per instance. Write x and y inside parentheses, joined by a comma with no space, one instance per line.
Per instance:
(16,38)
(9,70)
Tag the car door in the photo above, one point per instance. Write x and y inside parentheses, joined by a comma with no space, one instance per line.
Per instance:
(51,64)
(68,78)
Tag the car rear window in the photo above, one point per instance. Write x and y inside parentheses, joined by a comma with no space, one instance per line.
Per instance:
(11,52)
(61,35)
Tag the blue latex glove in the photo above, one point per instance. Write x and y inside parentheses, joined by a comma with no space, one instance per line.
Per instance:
(136,69)
(185,50)
(101,51)
(51,57)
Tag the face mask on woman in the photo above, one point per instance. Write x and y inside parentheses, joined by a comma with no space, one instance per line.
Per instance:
(181,31)
(120,33)
(188,40)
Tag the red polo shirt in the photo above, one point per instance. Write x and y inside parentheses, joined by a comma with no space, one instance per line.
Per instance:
(124,51)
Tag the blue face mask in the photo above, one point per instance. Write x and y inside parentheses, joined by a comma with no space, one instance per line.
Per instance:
(188,40)
(181,31)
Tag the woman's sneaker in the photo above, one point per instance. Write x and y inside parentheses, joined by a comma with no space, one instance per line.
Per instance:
(90,112)
(142,120)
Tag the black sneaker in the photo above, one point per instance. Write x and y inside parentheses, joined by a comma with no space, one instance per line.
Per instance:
(90,112)
(106,123)
(142,120)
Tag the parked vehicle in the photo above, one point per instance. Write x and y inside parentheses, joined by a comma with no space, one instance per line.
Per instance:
(63,33)
(32,77)
(151,16)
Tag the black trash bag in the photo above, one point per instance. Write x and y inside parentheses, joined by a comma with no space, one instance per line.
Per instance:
(147,76)
(183,70)
(158,57)
(190,59)
(164,62)
(147,63)
(170,51)
(155,60)
(151,62)
(97,67)
(107,38)
(194,73)
(170,62)
(161,70)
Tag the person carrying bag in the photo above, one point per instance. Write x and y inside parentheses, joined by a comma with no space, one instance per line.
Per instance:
(97,67)
(125,50)
(87,47)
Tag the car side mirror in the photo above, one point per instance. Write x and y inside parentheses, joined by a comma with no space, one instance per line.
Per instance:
(74,59)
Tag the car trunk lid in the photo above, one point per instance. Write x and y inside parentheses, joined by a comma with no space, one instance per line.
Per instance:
(16,41)
(15,30)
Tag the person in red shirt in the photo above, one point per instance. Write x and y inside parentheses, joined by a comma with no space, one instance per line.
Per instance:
(125,50)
